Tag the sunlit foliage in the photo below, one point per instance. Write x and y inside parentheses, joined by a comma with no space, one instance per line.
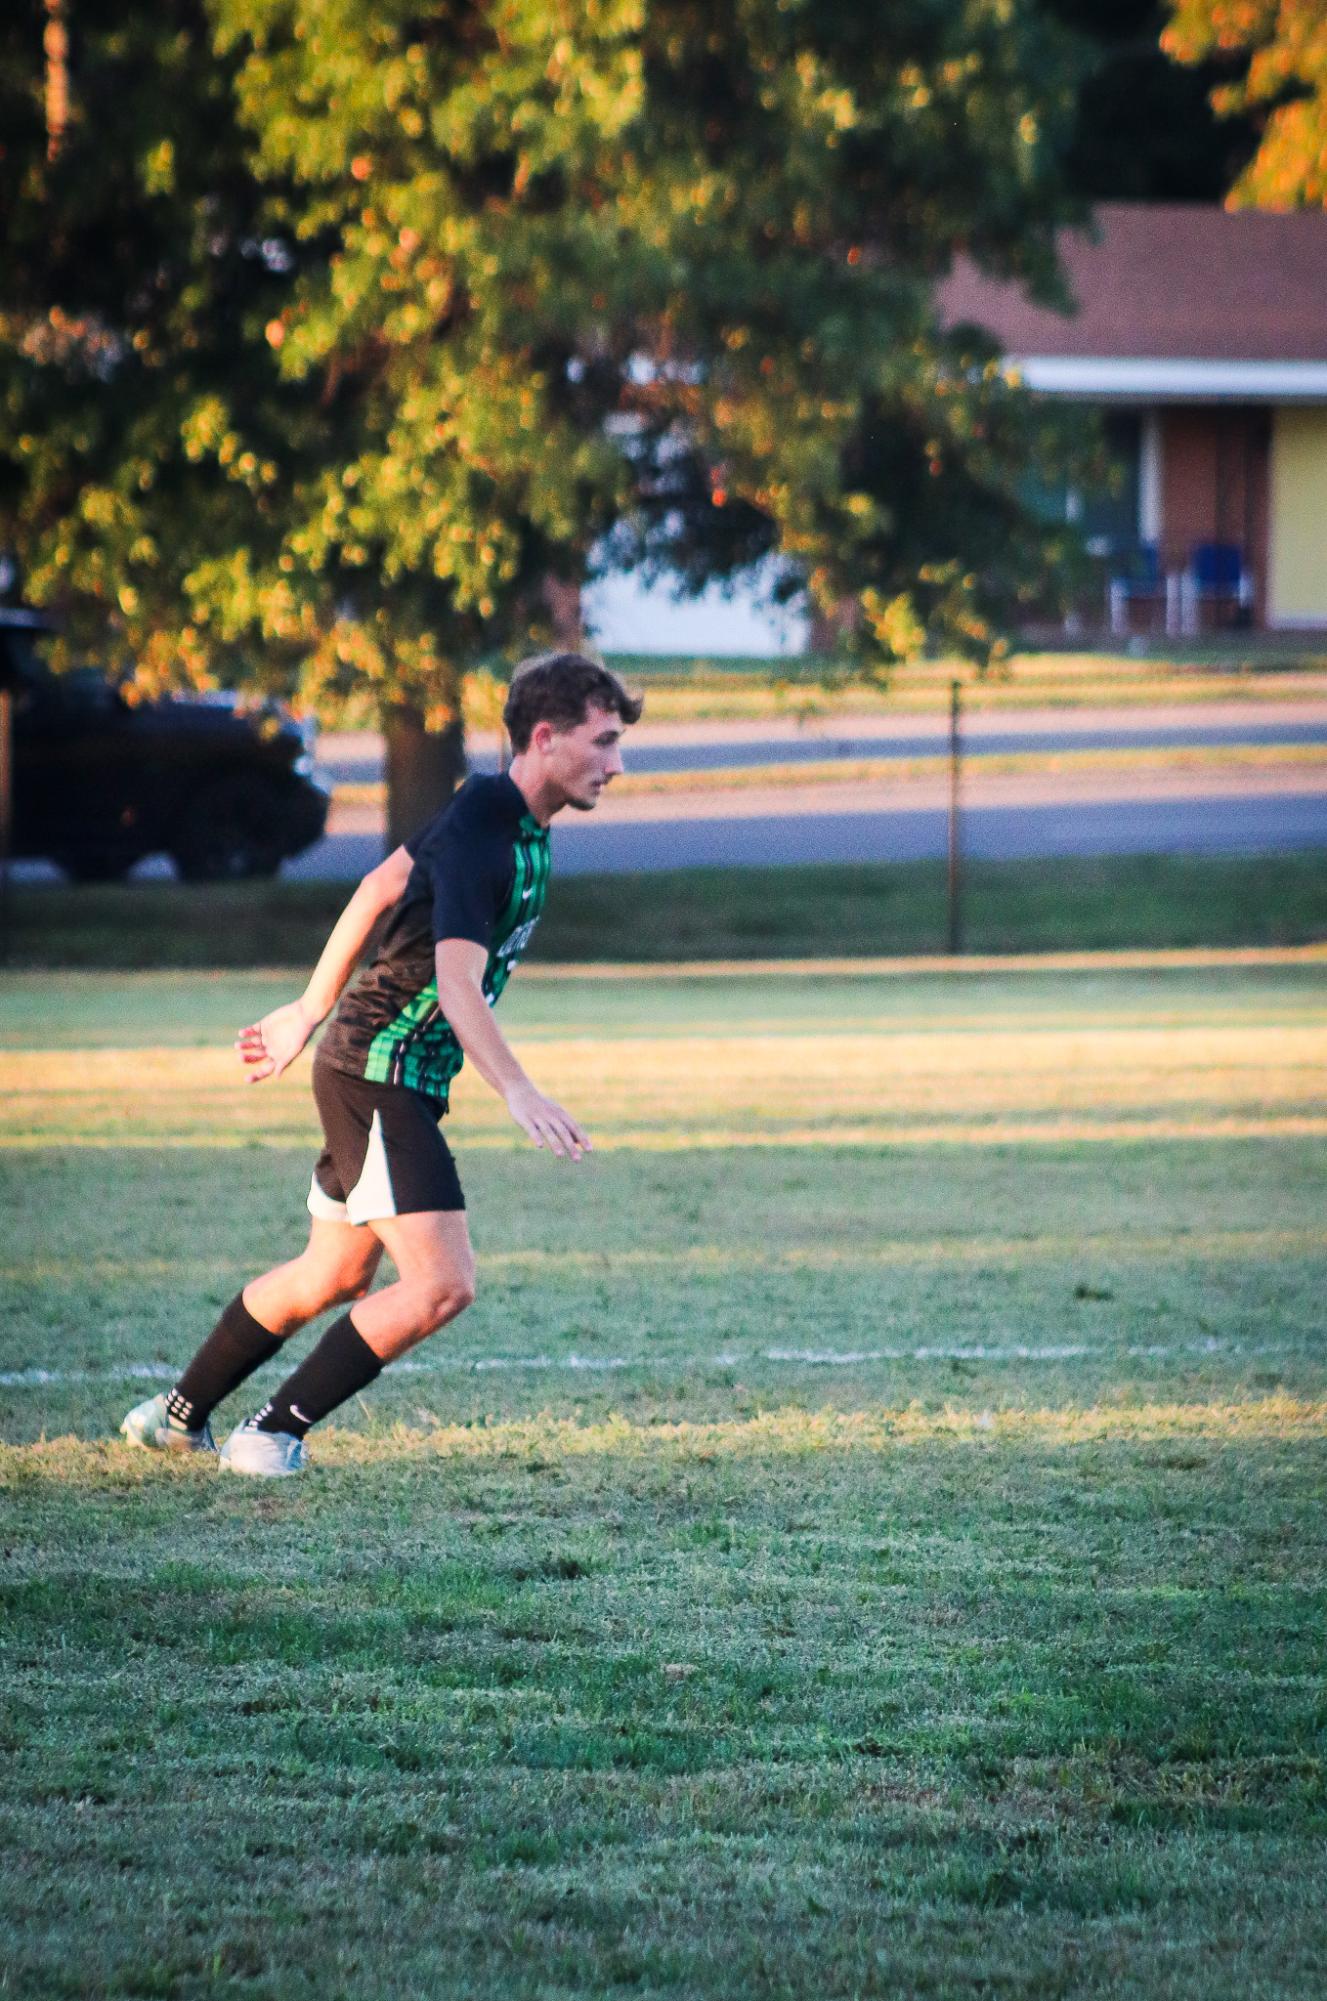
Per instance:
(1280,48)
(334,333)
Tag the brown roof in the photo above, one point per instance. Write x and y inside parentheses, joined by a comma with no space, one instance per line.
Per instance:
(1172,281)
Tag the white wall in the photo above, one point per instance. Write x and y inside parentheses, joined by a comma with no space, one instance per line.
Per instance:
(622,616)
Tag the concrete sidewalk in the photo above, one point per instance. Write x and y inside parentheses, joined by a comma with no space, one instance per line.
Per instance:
(895,826)
(792,800)
(1005,815)
(358,755)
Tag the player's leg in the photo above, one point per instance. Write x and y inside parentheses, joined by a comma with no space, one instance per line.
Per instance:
(432,1253)
(401,1181)
(435,1266)
(336,1266)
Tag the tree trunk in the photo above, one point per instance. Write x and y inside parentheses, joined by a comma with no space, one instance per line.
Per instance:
(562,601)
(424,768)
(826,630)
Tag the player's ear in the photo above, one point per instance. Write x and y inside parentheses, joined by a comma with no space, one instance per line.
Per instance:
(541,737)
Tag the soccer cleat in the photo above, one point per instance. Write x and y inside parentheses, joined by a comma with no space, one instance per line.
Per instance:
(147,1424)
(269,1455)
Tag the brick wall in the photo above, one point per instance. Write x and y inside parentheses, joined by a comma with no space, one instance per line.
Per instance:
(1214,485)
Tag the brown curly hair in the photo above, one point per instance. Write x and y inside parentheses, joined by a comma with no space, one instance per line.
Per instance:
(561,688)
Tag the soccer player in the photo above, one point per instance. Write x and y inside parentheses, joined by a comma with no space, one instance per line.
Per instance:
(460,900)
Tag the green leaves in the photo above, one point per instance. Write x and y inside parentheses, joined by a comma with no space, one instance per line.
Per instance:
(369,321)
(1281,48)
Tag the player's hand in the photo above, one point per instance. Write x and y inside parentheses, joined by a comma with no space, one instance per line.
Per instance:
(269,1046)
(547,1124)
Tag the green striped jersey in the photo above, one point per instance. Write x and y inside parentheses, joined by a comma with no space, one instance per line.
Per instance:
(481,873)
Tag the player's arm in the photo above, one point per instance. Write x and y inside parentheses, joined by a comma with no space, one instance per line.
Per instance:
(460,965)
(269,1046)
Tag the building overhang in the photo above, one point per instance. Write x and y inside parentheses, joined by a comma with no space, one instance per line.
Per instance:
(1148,379)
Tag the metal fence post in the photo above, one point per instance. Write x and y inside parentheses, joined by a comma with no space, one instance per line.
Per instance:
(955,850)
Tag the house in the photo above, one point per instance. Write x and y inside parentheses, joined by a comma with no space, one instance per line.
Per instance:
(1201,336)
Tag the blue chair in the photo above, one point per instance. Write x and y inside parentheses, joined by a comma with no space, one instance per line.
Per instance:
(1219,572)
(1136,574)
(1217,576)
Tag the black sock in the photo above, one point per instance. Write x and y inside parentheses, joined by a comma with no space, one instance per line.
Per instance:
(237,1345)
(342,1363)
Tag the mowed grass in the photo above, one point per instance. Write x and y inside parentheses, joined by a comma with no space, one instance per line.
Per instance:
(1107,902)
(688,687)
(867,1538)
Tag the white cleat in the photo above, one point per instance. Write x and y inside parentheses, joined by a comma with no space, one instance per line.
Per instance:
(148,1425)
(267,1455)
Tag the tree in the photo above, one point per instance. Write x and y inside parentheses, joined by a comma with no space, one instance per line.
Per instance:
(329,358)
(1281,47)
(1144,128)
(435,171)
(668,268)
(136,278)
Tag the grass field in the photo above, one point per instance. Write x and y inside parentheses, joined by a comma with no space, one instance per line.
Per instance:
(863,910)
(689,688)
(867,1539)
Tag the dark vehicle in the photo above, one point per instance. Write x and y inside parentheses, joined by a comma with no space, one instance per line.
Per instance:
(99,782)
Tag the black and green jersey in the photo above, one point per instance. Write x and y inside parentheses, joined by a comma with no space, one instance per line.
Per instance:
(480,872)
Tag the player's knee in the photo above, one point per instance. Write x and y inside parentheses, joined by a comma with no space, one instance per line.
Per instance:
(306,1294)
(459,1293)
(443,1298)
(316,1287)
(351,1289)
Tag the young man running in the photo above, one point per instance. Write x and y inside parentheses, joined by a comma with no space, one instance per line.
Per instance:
(464,896)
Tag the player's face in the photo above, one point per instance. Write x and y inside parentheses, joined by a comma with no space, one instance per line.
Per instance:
(585,759)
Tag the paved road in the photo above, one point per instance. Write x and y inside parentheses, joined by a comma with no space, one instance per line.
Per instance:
(1109,813)
(717,756)
(697,748)
(1194,825)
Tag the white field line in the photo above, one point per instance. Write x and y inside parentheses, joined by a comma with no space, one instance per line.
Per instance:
(817,1358)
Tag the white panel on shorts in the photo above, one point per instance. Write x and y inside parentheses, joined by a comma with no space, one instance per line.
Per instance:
(324,1206)
(372,1195)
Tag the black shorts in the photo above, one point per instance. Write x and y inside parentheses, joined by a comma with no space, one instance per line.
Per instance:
(383,1156)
